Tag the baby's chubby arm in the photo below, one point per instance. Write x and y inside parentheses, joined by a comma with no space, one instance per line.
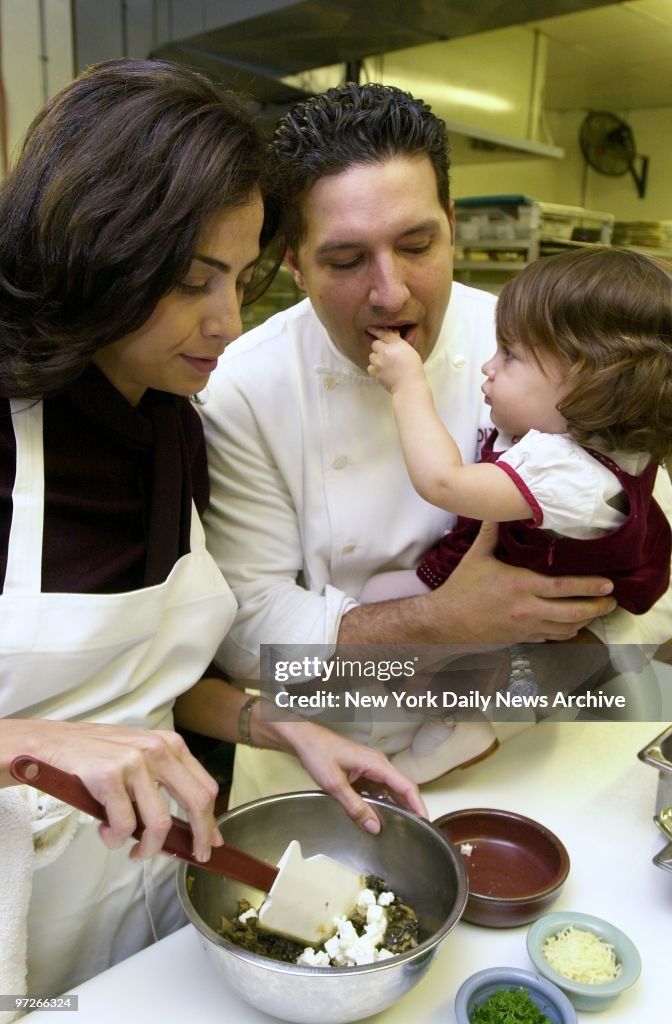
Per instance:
(432,458)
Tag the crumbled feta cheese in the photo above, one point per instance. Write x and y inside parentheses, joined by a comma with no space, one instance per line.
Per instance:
(376,924)
(247,915)
(348,949)
(466,849)
(345,948)
(365,899)
(309,958)
(375,913)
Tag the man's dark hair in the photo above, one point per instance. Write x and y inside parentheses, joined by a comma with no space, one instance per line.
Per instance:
(100,216)
(350,125)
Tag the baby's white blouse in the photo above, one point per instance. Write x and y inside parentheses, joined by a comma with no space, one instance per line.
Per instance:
(577,494)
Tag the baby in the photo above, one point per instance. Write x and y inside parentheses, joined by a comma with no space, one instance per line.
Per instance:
(580,393)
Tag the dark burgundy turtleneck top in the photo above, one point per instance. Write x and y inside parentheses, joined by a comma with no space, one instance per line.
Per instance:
(119,481)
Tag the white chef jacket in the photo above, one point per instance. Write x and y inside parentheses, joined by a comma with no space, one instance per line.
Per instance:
(307,475)
(310,496)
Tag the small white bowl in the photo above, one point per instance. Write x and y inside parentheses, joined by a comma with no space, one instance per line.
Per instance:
(585,996)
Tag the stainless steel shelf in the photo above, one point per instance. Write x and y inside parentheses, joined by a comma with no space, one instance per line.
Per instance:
(538,228)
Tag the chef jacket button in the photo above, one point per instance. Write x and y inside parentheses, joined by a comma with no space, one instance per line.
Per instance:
(347,549)
(340,461)
(459,361)
(330,383)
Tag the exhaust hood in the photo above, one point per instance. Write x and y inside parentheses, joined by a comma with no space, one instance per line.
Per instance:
(251,46)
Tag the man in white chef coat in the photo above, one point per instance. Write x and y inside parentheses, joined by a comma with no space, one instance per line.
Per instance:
(310,495)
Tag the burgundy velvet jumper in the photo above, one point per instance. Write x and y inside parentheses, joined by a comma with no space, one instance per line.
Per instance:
(635,556)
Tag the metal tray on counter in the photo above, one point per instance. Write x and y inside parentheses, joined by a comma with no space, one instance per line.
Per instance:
(658,753)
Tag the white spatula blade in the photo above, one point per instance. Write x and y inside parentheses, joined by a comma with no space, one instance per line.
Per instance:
(308,894)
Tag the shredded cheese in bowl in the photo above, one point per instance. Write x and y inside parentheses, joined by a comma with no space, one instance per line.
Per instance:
(581,956)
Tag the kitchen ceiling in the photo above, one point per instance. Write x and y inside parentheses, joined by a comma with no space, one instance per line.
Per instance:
(613,58)
(600,56)
(252,44)
(283,37)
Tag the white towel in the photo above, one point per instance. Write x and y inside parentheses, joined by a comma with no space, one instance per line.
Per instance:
(34,830)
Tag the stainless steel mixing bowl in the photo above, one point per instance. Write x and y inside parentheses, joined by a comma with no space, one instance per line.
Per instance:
(413,857)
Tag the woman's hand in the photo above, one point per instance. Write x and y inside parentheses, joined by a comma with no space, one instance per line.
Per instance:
(122,766)
(338,763)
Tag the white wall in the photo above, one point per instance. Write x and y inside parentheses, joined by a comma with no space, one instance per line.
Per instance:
(37,59)
(493,80)
(569,181)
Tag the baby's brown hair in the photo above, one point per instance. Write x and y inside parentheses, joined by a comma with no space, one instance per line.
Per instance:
(607,315)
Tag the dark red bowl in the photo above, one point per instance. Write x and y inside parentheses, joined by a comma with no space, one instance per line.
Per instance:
(516,866)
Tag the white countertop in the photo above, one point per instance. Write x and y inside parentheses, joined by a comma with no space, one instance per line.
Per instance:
(581,779)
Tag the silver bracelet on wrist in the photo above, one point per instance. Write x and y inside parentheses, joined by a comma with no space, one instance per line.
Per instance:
(245,721)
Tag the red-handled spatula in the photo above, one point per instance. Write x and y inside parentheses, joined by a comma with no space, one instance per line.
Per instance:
(305,894)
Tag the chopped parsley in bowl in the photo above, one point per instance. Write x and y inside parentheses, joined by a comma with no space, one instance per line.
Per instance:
(509,995)
(509,1004)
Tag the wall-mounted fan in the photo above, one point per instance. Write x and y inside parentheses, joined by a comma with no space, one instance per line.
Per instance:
(608,146)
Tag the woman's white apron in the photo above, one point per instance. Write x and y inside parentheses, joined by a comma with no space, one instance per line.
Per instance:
(117,658)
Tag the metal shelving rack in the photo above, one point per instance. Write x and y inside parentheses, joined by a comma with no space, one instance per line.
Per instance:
(497,236)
